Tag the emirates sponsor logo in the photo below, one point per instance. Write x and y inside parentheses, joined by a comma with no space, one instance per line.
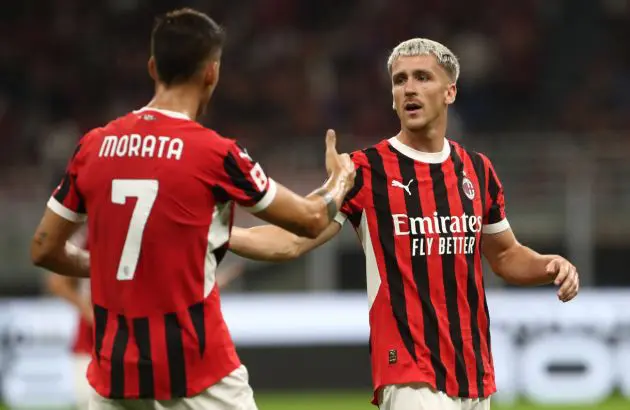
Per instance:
(426,233)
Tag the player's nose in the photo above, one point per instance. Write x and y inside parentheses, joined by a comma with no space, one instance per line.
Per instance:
(410,90)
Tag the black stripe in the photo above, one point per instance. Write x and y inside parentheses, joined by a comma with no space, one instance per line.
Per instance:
(219,254)
(175,354)
(196,313)
(76,151)
(100,324)
(358,184)
(420,269)
(64,188)
(450,280)
(355,218)
(239,179)
(220,194)
(142,335)
(472,292)
(81,202)
(386,239)
(118,359)
(494,214)
(480,169)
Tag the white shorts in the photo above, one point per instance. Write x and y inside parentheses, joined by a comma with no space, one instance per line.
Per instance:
(230,393)
(82,388)
(420,396)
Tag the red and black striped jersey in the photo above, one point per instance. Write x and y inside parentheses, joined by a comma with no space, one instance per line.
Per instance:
(159,190)
(420,218)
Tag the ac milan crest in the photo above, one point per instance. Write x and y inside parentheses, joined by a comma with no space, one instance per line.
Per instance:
(468,188)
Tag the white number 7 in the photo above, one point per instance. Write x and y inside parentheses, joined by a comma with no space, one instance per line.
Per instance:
(146,191)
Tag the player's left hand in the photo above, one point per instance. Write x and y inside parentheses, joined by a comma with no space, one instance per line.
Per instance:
(566,277)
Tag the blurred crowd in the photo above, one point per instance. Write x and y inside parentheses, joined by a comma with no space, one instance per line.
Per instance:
(293,68)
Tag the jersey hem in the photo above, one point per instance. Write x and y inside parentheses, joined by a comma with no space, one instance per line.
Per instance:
(495,228)
(266,200)
(191,391)
(491,389)
(64,212)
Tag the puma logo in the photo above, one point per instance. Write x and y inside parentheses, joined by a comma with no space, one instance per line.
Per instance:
(399,184)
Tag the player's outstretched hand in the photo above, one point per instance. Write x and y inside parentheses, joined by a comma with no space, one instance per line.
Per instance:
(338,164)
(566,277)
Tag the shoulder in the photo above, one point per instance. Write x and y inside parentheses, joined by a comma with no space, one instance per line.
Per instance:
(361,158)
(476,157)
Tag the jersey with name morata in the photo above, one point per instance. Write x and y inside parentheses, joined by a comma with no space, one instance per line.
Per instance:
(158,191)
(420,217)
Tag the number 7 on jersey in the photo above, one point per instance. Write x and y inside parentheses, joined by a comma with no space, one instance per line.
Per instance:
(146,191)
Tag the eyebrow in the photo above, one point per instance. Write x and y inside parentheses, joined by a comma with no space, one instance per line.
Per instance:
(416,71)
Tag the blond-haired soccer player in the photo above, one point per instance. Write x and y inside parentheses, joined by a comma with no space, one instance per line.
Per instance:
(425,210)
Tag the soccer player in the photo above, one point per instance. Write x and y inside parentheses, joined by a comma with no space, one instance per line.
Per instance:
(158,189)
(76,291)
(425,209)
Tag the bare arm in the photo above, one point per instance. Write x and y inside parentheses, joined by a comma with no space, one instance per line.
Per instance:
(273,244)
(67,288)
(227,275)
(520,265)
(51,250)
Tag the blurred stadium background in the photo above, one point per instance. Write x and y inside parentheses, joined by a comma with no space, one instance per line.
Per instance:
(544,91)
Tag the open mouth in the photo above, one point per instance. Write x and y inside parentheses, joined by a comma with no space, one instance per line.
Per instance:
(413,107)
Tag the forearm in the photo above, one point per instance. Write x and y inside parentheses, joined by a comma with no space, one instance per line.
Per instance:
(65,288)
(266,243)
(273,244)
(523,266)
(68,261)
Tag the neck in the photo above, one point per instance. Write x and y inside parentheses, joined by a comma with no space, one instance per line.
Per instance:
(181,98)
(428,139)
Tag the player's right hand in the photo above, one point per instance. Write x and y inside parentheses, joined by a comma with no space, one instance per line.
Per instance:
(338,164)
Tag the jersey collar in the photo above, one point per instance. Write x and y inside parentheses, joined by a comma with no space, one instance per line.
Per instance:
(168,113)
(427,157)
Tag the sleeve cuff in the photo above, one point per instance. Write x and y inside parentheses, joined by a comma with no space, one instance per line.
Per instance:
(495,228)
(266,200)
(66,213)
(340,218)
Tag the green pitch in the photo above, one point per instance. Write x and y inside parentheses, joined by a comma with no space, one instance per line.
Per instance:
(360,401)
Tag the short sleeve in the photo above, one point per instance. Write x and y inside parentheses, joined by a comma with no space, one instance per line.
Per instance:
(66,200)
(245,182)
(494,220)
(352,207)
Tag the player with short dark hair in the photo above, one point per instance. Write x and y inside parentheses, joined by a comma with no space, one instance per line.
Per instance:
(426,209)
(159,189)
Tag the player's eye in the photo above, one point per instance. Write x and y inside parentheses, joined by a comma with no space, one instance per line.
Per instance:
(399,79)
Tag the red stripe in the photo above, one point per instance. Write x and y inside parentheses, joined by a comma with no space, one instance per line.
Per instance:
(132,384)
(192,357)
(403,255)
(158,354)
(461,273)
(482,320)
(105,367)
(436,281)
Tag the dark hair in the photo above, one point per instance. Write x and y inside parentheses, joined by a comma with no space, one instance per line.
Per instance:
(181,41)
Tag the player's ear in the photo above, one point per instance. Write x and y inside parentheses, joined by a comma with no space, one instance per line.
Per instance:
(211,77)
(450,94)
(152,69)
